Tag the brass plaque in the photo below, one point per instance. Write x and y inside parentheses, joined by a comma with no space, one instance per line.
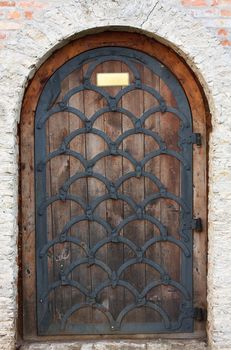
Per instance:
(112,79)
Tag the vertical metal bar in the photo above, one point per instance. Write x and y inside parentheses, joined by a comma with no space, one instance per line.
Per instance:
(41,223)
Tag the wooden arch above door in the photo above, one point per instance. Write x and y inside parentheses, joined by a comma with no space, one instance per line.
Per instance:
(46,312)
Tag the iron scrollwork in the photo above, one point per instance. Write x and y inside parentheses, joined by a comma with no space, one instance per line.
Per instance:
(45,110)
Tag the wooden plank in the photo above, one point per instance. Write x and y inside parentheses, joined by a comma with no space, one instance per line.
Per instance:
(28,217)
(170,210)
(50,253)
(200,201)
(95,145)
(78,188)
(153,167)
(60,210)
(134,187)
(114,208)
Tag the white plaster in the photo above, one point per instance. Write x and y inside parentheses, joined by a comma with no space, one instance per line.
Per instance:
(26,51)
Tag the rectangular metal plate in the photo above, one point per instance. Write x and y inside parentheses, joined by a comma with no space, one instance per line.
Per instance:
(112,79)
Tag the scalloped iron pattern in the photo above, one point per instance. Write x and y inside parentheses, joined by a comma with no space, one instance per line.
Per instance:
(47,108)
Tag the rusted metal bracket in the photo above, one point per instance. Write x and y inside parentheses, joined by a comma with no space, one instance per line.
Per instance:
(199,314)
(197,225)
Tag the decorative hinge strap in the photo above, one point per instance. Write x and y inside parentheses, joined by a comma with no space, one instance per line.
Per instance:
(199,314)
(197,225)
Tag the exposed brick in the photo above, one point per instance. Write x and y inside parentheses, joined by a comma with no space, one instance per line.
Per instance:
(226,42)
(194,3)
(221,2)
(31,4)
(28,14)
(222,31)
(2,36)
(7,3)
(14,15)
(226,13)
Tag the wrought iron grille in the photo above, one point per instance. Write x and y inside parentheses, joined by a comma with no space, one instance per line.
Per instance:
(53,101)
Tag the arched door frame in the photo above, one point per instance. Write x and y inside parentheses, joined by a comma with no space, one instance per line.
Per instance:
(196,99)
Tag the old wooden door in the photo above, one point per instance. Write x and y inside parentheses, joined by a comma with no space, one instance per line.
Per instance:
(114,197)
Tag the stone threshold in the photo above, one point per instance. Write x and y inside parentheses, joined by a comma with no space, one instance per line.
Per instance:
(118,345)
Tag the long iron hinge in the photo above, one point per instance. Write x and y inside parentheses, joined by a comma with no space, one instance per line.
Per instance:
(197,225)
(199,314)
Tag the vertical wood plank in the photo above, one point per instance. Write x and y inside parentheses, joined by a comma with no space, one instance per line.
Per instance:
(78,188)
(28,216)
(153,167)
(114,208)
(170,176)
(200,210)
(134,231)
(60,210)
(95,145)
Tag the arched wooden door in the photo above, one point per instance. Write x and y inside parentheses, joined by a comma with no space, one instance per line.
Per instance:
(113,204)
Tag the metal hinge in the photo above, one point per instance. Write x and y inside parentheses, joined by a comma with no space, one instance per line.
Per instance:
(199,314)
(196,139)
(197,225)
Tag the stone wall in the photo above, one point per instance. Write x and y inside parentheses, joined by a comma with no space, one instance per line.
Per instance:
(199,31)
(215,15)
